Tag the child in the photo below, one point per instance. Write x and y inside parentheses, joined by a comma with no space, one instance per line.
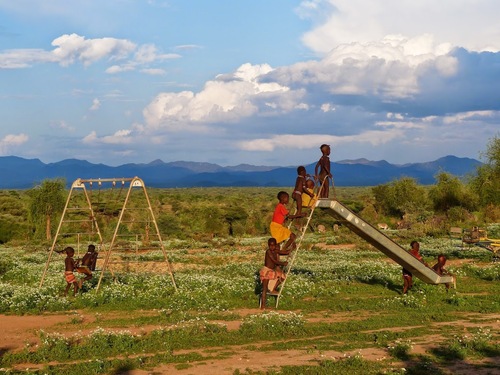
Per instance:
(324,171)
(308,197)
(271,275)
(300,189)
(278,230)
(439,268)
(69,268)
(88,264)
(407,275)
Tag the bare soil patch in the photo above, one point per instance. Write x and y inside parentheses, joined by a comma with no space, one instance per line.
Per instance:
(19,330)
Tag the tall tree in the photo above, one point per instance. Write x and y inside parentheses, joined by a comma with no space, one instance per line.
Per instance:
(450,192)
(47,201)
(400,197)
(486,183)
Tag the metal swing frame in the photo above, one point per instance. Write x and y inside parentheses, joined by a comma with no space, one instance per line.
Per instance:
(80,185)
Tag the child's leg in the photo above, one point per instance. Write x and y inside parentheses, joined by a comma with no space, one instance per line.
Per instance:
(75,288)
(68,285)
(290,244)
(298,199)
(406,284)
(326,187)
(263,296)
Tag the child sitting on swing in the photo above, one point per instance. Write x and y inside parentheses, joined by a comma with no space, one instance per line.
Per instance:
(88,264)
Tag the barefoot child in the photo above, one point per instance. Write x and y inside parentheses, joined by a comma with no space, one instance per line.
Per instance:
(271,275)
(69,268)
(278,230)
(439,268)
(323,165)
(300,189)
(88,264)
(308,197)
(407,275)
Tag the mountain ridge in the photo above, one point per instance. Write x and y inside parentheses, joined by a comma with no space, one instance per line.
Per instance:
(22,173)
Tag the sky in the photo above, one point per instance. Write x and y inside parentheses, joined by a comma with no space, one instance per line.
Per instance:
(261,82)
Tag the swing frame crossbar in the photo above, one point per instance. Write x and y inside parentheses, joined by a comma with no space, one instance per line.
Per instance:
(80,184)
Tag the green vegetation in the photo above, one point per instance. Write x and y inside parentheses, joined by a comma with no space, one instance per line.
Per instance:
(342,300)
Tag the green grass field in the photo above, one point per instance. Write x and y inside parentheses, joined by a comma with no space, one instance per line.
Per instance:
(341,312)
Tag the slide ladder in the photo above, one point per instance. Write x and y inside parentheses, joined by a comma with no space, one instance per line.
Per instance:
(293,254)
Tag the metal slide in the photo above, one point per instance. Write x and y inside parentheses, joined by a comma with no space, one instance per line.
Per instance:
(382,242)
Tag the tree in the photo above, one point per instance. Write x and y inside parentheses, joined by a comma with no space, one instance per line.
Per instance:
(47,201)
(450,192)
(486,182)
(400,197)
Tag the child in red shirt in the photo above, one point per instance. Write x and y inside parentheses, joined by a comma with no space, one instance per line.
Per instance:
(278,230)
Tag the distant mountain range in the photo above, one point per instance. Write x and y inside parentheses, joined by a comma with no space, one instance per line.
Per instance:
(19,173)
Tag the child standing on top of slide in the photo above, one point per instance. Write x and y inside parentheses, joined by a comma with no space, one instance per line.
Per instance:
(323,166)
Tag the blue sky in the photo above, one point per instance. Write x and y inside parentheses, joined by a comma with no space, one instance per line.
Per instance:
(261,82)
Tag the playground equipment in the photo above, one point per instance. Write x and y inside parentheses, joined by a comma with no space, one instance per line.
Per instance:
(479,237)
(376,238)
(131,215)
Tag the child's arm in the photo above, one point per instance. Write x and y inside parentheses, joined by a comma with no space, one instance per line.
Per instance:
(276,261)
(326,167)
(316,169)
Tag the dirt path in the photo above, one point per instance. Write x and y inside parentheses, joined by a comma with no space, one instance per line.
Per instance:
(17,331)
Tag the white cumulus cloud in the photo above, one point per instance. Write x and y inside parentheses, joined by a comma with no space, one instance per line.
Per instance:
(12,140)
(227,98)
(119,137)
(96,104)
(306,141)
(472,24)
(75,47)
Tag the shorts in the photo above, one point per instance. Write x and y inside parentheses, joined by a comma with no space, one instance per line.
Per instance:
(70,277)
(85,270)
(279,232)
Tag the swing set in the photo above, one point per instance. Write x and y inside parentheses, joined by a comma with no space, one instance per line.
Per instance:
(136,238)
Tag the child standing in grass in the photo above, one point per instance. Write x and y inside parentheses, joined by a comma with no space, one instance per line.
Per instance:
(439,268)
(278,230)
(407,275)
(271,275)
(324,175)
(300,189)
(69,268)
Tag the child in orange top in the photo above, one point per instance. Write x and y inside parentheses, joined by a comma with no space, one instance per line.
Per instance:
(300,189)
(278,230)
